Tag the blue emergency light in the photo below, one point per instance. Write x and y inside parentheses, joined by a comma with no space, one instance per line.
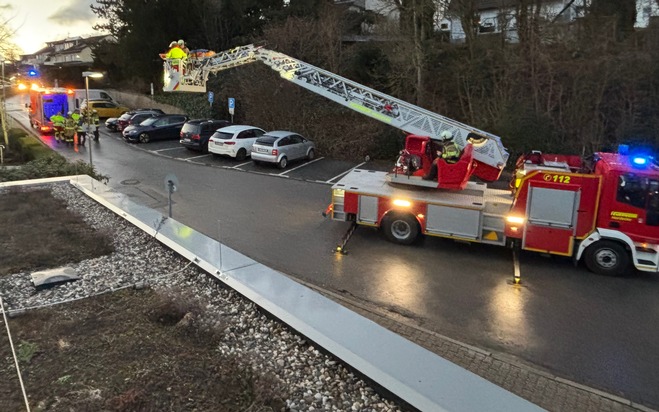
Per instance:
(640,160)
(32,73)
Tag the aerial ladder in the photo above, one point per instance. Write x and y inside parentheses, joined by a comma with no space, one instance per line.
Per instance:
(487,151)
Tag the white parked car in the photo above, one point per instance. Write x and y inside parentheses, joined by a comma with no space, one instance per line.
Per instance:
(281,146)
(235,141)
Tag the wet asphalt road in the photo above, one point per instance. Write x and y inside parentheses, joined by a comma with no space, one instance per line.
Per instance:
(594,330)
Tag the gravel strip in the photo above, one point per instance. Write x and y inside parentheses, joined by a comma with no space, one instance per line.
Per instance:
(314,381)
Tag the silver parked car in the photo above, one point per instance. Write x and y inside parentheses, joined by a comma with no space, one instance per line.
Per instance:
(280,147)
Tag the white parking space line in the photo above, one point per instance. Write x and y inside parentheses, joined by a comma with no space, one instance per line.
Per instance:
(197,157)
(302,165)
(171,148)
(242,164)
(344,173)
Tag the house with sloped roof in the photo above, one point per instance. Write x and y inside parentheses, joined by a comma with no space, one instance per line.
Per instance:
(72,51)
(498,16)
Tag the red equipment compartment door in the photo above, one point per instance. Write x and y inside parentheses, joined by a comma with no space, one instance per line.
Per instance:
(551,213)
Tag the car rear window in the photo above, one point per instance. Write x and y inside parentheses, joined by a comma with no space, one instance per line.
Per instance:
(266,140)
(125,116)
(222,135)
(190,128)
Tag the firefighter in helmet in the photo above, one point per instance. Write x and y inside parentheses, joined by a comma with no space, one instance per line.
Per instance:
(69,128)
(58,126)
(94,123)
(80,130)
(448,151)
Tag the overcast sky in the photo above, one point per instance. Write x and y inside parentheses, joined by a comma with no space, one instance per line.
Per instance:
(39,21)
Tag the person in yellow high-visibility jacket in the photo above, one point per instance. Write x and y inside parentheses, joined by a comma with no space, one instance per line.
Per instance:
(69,128)
(58,126)
(176,56)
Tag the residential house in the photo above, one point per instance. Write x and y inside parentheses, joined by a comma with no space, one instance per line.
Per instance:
(498,16)
(72,51)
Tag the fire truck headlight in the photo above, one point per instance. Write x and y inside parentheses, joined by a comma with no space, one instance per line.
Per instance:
(21,86)
(516,220)
(402,203)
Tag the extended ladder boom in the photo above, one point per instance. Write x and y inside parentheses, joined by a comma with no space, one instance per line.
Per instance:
(489,152)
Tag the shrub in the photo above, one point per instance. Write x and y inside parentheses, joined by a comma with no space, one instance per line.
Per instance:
(51,165)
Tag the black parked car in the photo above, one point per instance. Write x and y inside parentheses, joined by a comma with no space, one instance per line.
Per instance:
(112,124)
(163,127)
(124,119)
(195,133)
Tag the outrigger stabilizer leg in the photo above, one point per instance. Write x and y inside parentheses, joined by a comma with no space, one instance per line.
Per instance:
(341,247)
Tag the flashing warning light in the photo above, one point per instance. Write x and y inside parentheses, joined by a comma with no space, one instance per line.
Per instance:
(69,91)
(640,160)
(402,203)
(34,86)
(516,220)
(21,86)
(32,73)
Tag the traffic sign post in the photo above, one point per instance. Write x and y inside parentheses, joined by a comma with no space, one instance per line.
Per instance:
(211,97)
(232,107)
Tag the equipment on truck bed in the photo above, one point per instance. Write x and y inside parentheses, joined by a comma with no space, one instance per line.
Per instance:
(488,152)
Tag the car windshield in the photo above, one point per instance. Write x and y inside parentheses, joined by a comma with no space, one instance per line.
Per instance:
(149,121)
(190,128)
(266,140)
(125,116)
(222,135)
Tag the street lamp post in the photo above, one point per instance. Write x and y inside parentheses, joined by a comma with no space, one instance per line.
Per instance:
(3,119)
(87,75)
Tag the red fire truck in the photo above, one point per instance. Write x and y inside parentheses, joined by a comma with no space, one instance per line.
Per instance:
(44,103)
(603,210)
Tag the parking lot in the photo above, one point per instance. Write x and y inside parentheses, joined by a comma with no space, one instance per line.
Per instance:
(320,170)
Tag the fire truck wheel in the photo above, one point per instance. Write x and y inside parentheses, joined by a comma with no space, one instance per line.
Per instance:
(607,258)
(144,138)
(401,228)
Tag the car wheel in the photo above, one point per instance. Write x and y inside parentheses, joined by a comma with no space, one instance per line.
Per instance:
(144,138)
(311,155)
(241,155)
(607,258)
(401,228)
(282,163)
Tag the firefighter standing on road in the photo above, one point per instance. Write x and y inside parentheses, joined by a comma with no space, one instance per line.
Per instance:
(94,123)
(58,125)
(69,128)
(79,129)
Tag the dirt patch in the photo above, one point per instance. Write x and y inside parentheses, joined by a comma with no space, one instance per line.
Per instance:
(39,232)
(127,351)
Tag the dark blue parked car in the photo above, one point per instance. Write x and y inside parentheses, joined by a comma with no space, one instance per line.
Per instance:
(164,127)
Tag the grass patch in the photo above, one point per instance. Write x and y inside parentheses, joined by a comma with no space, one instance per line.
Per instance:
(39,232)
(119,359)
(26,351)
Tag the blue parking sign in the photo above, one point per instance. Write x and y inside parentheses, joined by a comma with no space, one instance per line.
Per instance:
(211,97)
(232,103)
